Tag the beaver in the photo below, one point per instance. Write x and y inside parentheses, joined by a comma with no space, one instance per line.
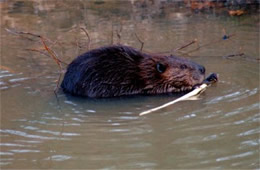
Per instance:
(119,70)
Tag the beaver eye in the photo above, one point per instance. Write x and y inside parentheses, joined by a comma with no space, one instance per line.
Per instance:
(160,67)
(183,66)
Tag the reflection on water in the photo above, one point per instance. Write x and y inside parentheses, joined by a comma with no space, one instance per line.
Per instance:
(40,130)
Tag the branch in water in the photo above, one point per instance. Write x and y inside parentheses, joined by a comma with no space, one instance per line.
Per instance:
(26,33)
(180,48)
(55,58)
(142,43)
(186,45)
(43,53)
(118,32)
(234,55)
(112,35)
(51,52)
(87,34)
(225,37)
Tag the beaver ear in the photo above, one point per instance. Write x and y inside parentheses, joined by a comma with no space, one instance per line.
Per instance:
(160,67)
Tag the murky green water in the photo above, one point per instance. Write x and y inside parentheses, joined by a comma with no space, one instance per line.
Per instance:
(38,131)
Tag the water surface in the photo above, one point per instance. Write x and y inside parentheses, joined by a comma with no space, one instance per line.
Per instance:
(40,130)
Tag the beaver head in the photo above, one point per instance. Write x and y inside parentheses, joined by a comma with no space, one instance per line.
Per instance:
(164,74)
(122,70)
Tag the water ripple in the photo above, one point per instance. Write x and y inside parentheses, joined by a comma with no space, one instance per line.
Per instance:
(53,124)
(251,142)
(58,133)
(5,163)
(243,109)
(91,111)
(6,75)
(18,79)
(235,96)
(51,118)
(235,156)
(28,141)
(24,151)
(218,99)
(209,138)
(58,157)
(186,117)
(245,94)
(23,134)
(14,144)
(6,83)
(30,128)
(70,103)
(6,153)
(4,88)
(250,132)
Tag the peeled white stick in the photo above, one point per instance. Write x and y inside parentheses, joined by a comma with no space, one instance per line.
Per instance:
(194,92)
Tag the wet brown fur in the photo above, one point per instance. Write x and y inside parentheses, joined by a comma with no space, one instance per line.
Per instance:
(121,70)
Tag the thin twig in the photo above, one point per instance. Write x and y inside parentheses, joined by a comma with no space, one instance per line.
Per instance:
(142,43)
(118,36)
(225,37)
(87,34)
(39,51)
(21,32)
(112,35)
(51,53)
(26,33)
(234,55)
(55,58)
(180,48)
(43,53)
(186,45)
(118,32)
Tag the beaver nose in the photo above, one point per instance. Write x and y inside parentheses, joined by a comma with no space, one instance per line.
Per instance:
(202,69)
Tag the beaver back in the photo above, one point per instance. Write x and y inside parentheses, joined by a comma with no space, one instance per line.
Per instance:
(105,72)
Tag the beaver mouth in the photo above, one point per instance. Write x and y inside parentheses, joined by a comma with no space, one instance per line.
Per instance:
(182,89)
(188,88)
